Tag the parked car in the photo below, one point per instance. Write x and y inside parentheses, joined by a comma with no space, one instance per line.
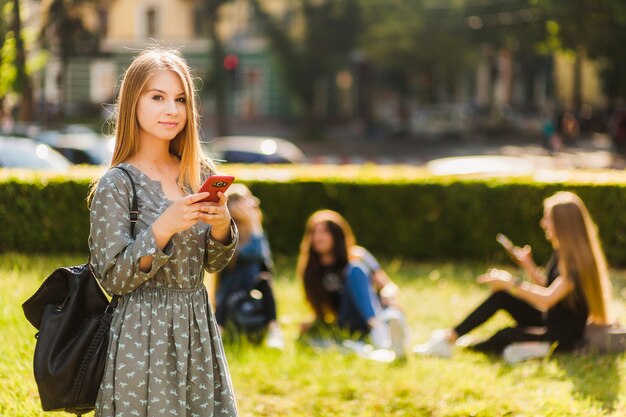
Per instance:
(80,147)
(451,121)
(20,129)
(26,153)
(254,149)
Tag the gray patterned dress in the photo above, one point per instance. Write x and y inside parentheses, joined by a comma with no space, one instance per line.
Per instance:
(165,353)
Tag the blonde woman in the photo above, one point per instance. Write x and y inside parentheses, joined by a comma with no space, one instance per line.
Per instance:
(165,353)
(554,307)
(252,268)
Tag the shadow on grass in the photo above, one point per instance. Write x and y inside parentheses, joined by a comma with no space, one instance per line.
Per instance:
(595,377)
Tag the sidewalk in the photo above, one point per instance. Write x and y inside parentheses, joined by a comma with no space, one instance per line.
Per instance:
(344,146)
(586,153)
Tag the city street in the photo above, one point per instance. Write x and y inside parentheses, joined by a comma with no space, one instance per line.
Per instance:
(343,146)
(588,153)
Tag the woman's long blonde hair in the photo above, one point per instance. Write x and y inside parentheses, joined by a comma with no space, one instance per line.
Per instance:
(186,145)
(581,258)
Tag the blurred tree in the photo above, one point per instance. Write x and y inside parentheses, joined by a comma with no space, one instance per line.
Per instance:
(615,82)
(311,44)
(217,79)
(23,82)
(64,33)
(581,29)
(4,31)
(517,26)
(418,45)
(14,76)
(596,29)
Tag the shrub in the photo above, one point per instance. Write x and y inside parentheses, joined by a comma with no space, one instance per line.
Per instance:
(410,215)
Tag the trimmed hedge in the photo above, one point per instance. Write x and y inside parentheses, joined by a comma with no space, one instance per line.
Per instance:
(44,215)
(422,218)
(444,220)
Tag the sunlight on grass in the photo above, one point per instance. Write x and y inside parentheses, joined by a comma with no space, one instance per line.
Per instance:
(302,382)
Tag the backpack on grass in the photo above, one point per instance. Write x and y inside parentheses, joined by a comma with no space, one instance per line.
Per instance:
(609,338)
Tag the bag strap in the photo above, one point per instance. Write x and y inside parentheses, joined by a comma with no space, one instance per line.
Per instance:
(105,321)
(134,209)
(134,215)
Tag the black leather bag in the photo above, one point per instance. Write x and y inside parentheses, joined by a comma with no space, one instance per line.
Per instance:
(248,309)
(73,316)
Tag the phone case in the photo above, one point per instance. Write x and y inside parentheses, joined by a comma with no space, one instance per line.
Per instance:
(216,183)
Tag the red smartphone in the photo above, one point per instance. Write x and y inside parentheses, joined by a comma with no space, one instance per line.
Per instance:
(216,183)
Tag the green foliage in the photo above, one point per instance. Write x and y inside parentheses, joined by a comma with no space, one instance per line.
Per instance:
(8,71)
(430,219)
(401,213)
(45,215)
(313,52)
(299,381)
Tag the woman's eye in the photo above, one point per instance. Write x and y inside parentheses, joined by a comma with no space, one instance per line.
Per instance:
(157,97)
(181,100)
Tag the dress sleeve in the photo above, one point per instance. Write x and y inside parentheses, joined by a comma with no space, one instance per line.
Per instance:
(115,253)
(217,255)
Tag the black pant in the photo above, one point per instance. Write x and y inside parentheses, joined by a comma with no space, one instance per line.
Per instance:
(530,322)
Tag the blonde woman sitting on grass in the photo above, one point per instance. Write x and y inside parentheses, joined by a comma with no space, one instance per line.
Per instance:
(550,308)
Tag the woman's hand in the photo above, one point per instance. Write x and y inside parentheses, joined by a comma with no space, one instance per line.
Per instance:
(218,216)
(497,279)
(180,215)
(523,255)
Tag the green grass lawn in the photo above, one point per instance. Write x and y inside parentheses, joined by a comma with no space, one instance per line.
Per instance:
(299,381)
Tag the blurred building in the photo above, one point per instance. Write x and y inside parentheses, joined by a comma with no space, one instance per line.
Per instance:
(499,80)
(126,27)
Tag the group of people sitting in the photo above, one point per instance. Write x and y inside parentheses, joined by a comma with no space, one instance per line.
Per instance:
(354,300)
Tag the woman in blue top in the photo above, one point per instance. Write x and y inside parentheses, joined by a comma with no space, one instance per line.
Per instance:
(251,269)
(342,282)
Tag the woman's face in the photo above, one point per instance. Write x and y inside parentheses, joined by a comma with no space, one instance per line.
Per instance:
(321,239)
(244,205)
(162,108)
(547,225)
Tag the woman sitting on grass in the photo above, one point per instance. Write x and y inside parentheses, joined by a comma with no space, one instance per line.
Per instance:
(551,308)
(345,285)
(251,269)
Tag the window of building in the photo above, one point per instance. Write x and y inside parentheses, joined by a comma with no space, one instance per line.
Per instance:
(200,23)
(151,22)
(103,17)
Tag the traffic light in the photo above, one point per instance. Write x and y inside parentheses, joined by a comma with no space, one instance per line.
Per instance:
(231,65)
(231,62)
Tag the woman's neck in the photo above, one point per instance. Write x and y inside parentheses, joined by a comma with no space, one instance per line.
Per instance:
(327,259)
(155,160)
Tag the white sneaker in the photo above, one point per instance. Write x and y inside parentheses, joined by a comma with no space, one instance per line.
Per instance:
(357,346)
(380,336)
(398,337)
(518,352)
(274,338)
(436,346)
(465,341)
